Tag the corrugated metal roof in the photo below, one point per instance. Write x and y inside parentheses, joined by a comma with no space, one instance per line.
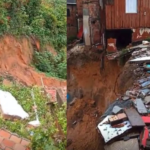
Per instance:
(71,1)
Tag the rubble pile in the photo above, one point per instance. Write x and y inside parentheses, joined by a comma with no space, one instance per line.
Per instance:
(126,122)
(137,51)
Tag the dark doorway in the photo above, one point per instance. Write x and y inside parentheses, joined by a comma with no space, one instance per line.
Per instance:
(123,37)
(68,12)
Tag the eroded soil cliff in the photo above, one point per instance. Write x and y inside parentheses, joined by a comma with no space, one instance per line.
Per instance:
(15,63)
(98,90)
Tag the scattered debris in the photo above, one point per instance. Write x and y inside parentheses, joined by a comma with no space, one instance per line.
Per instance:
(140,106)
(109,133)
(113,120)
(144,136)
(146,119)
(111,45)
(145,42)
(132,110)
(73,101)
(134,118)
(74,122)
(120,103)
(77,49)
(35,123)
(116,110)
(147,100)
(113,56)
(139,60)
(143,50)
(148,143)
(125,98)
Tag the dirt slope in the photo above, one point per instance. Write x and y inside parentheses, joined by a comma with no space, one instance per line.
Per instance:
(15,61)
(98,93)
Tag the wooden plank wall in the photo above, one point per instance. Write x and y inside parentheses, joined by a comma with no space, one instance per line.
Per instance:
(116,18)
(145,19)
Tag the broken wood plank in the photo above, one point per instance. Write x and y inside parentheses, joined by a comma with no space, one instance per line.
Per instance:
(134,118)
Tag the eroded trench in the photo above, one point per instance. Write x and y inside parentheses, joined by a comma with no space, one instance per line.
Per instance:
(92,91)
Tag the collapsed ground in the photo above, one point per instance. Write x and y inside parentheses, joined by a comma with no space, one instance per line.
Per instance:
(94,90)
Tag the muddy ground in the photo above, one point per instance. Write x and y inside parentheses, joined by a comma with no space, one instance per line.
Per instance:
(97,90)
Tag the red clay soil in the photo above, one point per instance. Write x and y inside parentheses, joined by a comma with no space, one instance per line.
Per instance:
(84,116)
(15,60)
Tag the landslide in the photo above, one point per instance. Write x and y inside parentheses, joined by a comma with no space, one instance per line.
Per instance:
(15,63)
(99,89)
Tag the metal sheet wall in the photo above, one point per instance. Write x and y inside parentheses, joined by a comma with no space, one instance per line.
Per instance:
(117,18)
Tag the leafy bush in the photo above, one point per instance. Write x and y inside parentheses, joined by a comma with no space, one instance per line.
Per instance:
(53,65)
(43,137)
(46,19)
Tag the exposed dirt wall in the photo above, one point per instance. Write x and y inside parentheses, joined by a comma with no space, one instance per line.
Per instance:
(15,60)
(99,89)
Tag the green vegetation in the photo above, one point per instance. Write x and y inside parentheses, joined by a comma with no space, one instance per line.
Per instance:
(148,39)
(51,135)
(43,19)
(46,19)
(122,57)
(56,67)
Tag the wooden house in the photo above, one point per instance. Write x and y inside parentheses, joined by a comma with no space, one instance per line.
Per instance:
(71,18)
(74,17)
(115,23)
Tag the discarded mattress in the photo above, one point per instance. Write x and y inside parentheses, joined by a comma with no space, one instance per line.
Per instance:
(109,133)
(10,107)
